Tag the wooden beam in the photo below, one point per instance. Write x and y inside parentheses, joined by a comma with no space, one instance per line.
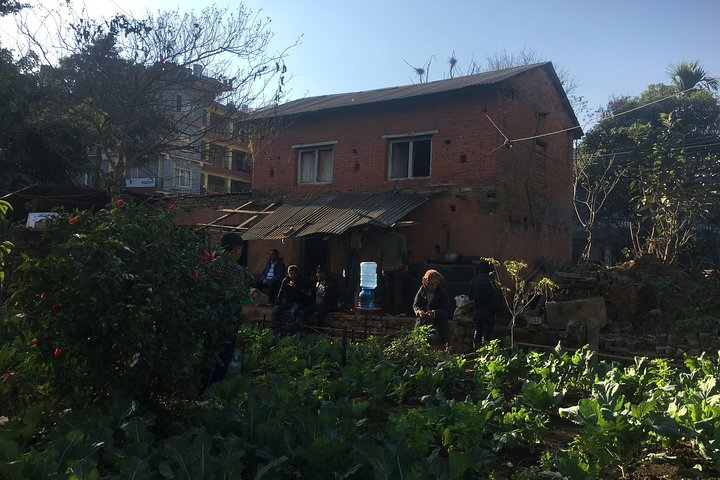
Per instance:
(232,212)
(242,225)
(252,212)
(220,227)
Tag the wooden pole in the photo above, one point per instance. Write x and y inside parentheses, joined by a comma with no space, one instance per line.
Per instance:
(343,360)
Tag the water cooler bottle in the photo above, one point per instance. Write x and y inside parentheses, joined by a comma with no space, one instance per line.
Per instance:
(368,282)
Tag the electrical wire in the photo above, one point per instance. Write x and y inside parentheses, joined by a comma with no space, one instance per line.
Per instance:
(545,134)
(509,141)
(615,115)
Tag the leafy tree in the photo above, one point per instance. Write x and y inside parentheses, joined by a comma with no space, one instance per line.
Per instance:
(141,87)
(663,149)
(10,6)
(35,144)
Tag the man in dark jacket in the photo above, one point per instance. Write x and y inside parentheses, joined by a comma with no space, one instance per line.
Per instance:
(484,291)
(271,276)
(293,295)
(326,295)
(220,349)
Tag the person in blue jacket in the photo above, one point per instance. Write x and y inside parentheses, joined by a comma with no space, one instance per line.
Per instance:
(271,276)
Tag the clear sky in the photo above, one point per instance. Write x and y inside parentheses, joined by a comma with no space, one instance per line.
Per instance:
(610,47)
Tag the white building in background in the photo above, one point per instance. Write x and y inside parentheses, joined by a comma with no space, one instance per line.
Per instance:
(210,158)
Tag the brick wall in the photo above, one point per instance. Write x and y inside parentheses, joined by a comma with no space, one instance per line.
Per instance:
(507,203)
(359,135)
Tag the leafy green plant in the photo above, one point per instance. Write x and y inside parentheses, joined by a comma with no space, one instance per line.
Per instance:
(414,349)
(122,302)
(497,370)
(310,418)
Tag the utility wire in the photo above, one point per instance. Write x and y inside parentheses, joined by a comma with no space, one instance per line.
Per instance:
(545,134)
(614,115)
(509,141)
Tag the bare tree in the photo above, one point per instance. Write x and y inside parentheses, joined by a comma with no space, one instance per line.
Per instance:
(504,59)
(591,191)
(526,56)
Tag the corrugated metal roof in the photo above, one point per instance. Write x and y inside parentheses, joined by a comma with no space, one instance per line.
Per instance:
(324,102)
(333,214)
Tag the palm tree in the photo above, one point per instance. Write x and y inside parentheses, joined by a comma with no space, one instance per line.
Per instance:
(686,75)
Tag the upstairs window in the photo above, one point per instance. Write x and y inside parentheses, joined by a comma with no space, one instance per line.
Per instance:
(315,163)
(410,157)
(182,178)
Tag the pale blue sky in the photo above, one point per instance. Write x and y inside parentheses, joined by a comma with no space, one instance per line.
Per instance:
(611,47)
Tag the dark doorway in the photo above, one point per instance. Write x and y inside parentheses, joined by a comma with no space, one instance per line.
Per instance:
(315,252)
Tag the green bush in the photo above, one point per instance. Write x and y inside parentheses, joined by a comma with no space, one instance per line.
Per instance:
(123,301)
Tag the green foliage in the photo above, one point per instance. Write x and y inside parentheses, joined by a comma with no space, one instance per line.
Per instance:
(36,144)
(414,349)
(310,417)
(121,302)
(520,291)
(5,245)
(661,145)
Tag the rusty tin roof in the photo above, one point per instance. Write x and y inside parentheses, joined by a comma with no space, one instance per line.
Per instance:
(333,214)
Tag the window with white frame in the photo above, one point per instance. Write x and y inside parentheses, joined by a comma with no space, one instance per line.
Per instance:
(182,177)
(409,157)
(315,163)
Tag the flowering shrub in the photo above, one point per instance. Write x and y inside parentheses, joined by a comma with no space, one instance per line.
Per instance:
(123,301)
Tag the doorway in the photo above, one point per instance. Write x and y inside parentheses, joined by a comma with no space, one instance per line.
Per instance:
(315,252)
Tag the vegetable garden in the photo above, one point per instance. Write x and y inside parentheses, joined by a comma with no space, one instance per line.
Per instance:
(306,407)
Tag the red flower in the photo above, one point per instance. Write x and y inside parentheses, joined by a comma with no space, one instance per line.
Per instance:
(34,342)
(54,307)
(74,220)
(120,203)
(172,208)
(207,256)
(195,276)
(57,352)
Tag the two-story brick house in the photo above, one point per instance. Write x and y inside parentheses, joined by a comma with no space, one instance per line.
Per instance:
(478,165)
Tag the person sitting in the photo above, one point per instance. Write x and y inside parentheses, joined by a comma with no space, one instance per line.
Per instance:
(432,307)
(326,293)
(271,276)
(292,295)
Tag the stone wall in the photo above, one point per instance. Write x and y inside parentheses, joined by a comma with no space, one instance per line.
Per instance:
(613,345)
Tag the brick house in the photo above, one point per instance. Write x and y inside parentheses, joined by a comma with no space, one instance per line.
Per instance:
(490,152)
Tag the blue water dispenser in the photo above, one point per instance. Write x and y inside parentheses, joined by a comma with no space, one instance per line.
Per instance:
(368,283)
